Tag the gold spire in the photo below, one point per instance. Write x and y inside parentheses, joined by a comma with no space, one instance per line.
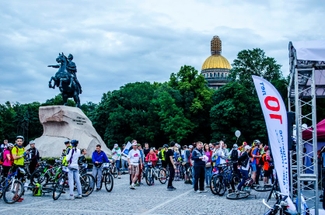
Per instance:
(216,46)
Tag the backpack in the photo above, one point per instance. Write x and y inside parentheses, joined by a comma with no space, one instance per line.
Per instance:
(234,155)
(262,159)
(37,190)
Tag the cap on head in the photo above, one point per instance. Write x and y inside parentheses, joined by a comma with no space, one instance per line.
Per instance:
(32,142)
(9,145)
(165,146)
(74,143)
(115,145)
(190,146)
(257,142)
(20,137)
(134,144)
(67,142)
(247,147)
(235,146)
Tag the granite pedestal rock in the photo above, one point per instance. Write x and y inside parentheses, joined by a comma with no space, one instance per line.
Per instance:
(61,123)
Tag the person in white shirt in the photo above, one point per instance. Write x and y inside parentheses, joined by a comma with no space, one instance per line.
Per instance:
(222,153)
(116,152)
(73,174)
(134,160)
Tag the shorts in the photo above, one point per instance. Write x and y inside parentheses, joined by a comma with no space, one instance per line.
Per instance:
(134,170)
(268,172)
(254,168)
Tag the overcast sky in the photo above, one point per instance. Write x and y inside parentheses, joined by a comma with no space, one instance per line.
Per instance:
(118,42)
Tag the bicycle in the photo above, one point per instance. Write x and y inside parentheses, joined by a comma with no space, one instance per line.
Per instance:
(87,182)
(107,177)
(113,170)
(280,206)
(244,193)
(155,173)
(222,181)
(46,173)
(11,188)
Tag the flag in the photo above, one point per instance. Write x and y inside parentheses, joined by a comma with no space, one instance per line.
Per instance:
(276,120)
(125,151)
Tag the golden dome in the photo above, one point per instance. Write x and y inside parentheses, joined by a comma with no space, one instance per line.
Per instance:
(216,62)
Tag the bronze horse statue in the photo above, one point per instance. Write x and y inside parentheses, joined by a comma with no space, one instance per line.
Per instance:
(65,81)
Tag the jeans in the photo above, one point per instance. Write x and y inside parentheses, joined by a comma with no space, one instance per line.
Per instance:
(117,164)
(97,171)
(124,167)
(73,176)
(208,174)
(244,174)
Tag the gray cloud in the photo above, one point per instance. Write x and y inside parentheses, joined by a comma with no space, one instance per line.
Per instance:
(115,43)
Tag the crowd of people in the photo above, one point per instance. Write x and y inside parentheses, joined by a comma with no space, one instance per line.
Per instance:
(202,159)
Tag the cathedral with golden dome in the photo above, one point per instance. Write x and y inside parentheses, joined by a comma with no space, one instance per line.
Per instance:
(216,68)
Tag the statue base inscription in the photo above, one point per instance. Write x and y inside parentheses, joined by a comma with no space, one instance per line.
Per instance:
(61,123)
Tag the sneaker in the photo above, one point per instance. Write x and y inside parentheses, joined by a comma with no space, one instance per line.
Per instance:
(132,187)
(70,197)
(79,197)
(97,189)
(137,185)
(203,191)
(174,188)
(119,177)
(198,191)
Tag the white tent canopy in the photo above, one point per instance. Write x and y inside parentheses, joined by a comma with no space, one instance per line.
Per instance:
(310,50)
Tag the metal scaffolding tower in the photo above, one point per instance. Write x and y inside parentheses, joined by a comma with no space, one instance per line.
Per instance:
(307,82)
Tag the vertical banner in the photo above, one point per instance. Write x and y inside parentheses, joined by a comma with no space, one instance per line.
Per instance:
(276,120)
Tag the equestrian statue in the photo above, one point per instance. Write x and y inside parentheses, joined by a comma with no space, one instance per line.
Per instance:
(66,79)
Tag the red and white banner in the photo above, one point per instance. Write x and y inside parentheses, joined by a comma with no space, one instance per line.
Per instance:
(276,120)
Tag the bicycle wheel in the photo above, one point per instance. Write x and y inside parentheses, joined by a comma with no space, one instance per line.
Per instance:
(237,195)
(220,186)
(262,188)
(13,191)
(59,187)
(162,176)
(109,182)
(213,186)
(39,177)
(149,177)
(87,184)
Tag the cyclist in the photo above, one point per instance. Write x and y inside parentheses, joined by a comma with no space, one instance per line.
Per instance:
(152,157)
(7,159)
(98,158)
(18,154)
(33,156)
(162,157)
(73,174)
(116,152)
(134,160)
(65,152)
(255,153)
(244,163)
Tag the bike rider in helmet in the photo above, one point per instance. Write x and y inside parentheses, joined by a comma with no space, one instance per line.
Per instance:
(73,174)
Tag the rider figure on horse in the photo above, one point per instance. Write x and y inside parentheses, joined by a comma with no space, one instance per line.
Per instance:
(72,69)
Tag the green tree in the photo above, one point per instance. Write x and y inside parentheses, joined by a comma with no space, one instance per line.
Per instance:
(195,100)
(236,105)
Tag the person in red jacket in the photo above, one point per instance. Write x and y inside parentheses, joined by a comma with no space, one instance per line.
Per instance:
(152,157)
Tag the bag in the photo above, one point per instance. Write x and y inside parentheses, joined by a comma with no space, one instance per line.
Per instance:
(37,190)
(234,155)
(208,164)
